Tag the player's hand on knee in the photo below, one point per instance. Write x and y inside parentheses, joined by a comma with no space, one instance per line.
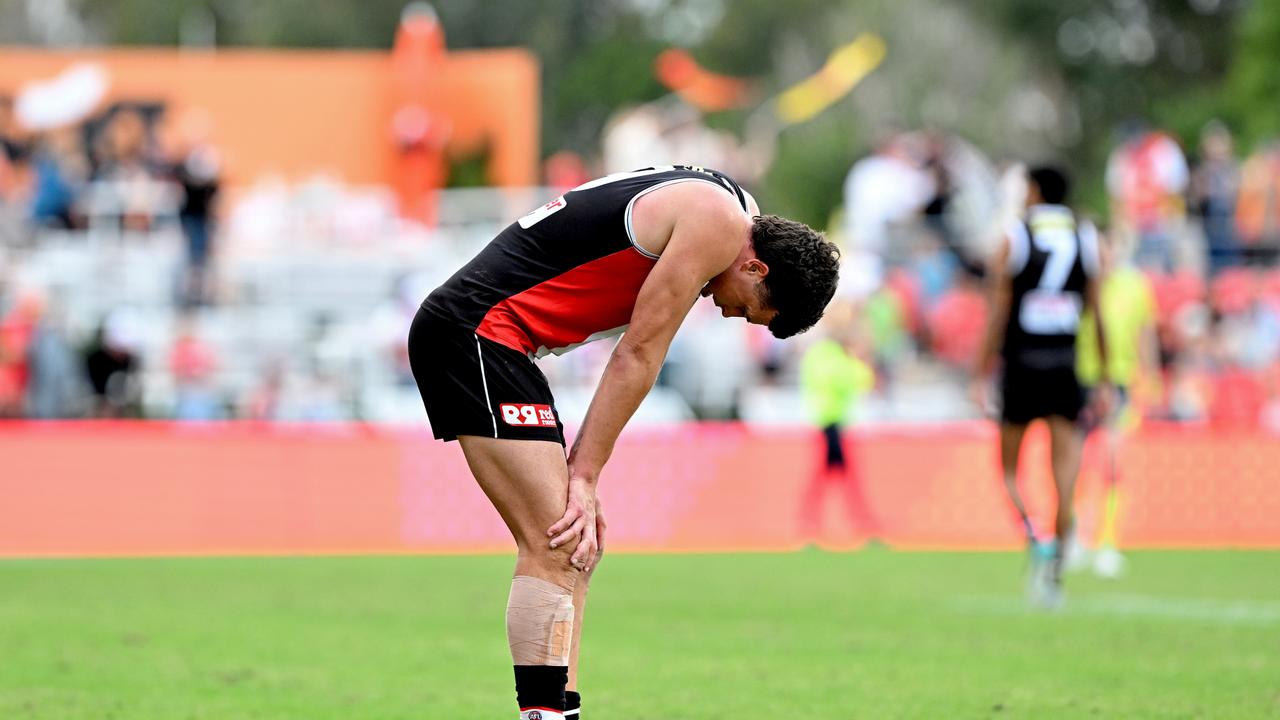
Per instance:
(600,528)
(578,521)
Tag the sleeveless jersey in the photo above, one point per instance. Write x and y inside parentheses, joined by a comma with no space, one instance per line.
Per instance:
(566,273)
(1051,260)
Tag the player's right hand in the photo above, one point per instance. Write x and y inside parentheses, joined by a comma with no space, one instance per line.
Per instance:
(1103,400)
(980,394)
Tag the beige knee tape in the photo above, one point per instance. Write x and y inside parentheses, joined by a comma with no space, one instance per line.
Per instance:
(539,622)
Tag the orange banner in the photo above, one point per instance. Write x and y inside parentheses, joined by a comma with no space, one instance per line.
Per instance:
(297,113)
(239,488)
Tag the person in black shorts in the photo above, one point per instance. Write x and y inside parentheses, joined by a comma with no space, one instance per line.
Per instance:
(625,254)
(1042,277)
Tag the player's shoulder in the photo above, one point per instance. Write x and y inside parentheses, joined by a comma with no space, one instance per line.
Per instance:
(694,205)
(698,196)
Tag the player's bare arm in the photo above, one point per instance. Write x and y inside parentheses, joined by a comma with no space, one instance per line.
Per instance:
(707,234)
(629,252)
(1000,297)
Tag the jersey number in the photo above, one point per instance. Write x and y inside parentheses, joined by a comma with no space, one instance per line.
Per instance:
(1047,310)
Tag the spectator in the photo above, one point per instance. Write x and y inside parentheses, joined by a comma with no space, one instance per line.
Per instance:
(61,169)
(13,151)
(12,147)
(565,171)
(197,169)
(885,320)
(1190,373)
(938,211)
(1147,178)
(126,169)
(882,190)
(1214,185)
(956,322)
(1258,208)
(389,323)
(193,365)
(113,367)
(16,330)
(833,376)
(324,398)
(263,401)
(934,268)
(56,386)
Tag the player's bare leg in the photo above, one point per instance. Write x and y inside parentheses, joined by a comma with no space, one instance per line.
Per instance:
(1011,436)
(1010,448)
(1065,447)
(528,483)
(572,698)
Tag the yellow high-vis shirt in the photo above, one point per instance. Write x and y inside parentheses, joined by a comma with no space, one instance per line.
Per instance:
(831,380)
(1128,305)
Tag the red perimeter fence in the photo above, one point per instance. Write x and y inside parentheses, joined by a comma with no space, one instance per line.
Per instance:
(69,489)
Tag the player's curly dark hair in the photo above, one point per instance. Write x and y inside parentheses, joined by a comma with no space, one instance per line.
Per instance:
(803,270)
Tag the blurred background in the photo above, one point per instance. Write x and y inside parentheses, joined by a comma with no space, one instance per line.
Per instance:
(215,210)
(218,217)
(221,209)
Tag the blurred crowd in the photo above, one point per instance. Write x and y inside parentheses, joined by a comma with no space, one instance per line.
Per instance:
(129,171)
(1202,230)
(132,168)
(920,216)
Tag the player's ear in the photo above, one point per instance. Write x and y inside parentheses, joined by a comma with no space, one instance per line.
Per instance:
(756,266)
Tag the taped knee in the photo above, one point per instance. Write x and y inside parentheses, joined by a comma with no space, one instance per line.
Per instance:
(539,622)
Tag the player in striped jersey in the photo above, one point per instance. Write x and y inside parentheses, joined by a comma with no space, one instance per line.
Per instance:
(626,254)
(1043,276)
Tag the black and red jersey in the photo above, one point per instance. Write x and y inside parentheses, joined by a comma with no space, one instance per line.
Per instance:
(566,273)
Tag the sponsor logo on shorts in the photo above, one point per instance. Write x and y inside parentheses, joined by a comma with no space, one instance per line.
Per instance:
(535,715)
(522,415)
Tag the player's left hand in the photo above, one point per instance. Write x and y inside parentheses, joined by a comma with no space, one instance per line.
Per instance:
(600,528)
(581,521)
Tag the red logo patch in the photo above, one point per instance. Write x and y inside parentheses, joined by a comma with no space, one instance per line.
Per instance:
(528,415)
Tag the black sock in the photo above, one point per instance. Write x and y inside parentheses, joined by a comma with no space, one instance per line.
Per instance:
(541,686)
(572,705)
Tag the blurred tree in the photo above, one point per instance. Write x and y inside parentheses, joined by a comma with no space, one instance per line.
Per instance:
(593,60)
(806,180)
(1254,83)
(1154,61)
(1022,79)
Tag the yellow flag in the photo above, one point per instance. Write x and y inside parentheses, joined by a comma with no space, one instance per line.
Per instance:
(844,69)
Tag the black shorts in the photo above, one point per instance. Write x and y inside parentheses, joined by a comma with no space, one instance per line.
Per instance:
(473,386)
(1031,393)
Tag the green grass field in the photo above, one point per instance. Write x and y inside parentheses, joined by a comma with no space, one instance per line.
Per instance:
(873,634)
